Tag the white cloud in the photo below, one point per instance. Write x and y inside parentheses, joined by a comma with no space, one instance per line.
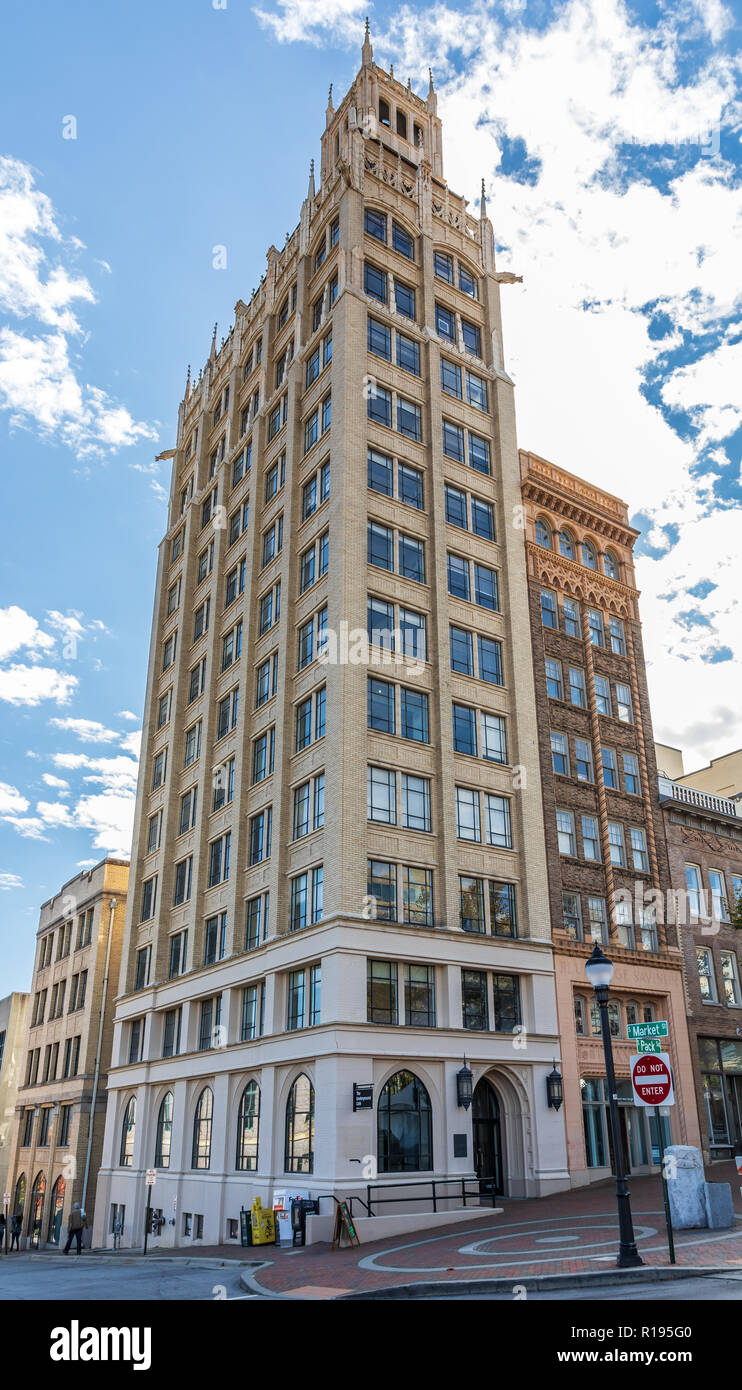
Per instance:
(8,881)
(18,630)
(11,800)
(29,685)
(314,20)
(87,730)
(30,827)
(132,742)
(127,714)
(40,385)
(57,783)
(54,813)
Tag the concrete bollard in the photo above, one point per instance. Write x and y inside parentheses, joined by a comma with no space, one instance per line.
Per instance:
(687,1188)
(719,1206)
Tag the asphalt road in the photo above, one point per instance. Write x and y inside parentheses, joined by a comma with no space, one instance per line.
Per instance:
(28,1277)
(707,1290)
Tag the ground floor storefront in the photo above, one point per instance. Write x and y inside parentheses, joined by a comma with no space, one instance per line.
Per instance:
(719,1077)
(640,993)
(398,1134)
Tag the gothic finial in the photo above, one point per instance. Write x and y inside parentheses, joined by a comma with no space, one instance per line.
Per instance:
(391,69)
(409,84)
(329,98)
(188,381)
(310,190)
(213,341)
(430,82)
(482,205)
(367,52)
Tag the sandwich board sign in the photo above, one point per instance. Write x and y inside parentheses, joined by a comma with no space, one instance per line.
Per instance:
(651,1079)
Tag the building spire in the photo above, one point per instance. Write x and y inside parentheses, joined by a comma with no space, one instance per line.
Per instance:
(330,106)
(367,52)
(188,382)
(482,205)
(310,190)
(213,342)
(431,90)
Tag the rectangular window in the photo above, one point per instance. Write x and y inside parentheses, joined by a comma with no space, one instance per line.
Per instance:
(597,919)
(462,652)
(624,707)
(380,706)
(415,802)
(706,978)
(631,781)
(417,896)
(468,826)
(475,1014)
(577,687)
(559,754)
(608,763)
(409,419)
(595,627)
(381,796)
(506,1003)
(380,473)
(584,770)
(603,695)
(554,679)
(572,915)
(374,282)
(381,991)
(419,987)
(410,485)
(566,833)
(548,609)
(413,715)
(730,978)
(590,838)
(471,904)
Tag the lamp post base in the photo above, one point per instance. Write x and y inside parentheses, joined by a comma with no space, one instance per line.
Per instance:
(629,1259)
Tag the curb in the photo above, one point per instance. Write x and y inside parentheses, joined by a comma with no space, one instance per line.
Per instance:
(134,1258)
(649,1274)
(535,1283)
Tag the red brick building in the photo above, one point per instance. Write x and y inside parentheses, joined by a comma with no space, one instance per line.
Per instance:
(606,853)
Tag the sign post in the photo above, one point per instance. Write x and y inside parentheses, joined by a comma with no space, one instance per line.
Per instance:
(150,1181)
(651,1079)
(6,1213)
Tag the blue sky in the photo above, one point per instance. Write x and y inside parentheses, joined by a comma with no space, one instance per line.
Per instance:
(609,137)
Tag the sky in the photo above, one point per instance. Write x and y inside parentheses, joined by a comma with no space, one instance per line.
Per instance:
(164,145)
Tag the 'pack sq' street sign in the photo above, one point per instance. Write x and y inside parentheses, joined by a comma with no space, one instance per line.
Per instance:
(648,1044)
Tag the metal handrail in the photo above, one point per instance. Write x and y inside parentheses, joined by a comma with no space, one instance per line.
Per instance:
(434,1184)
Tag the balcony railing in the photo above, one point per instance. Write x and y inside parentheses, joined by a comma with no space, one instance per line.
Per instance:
(703,801)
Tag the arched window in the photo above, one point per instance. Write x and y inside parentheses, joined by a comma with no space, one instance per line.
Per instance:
(128,1129)
(566,545)
(610,564)
(248,1124)
(402,124)
(405,1126)
(55,1212)
(37,1208)
(384,112)
(164,1131)
(543,534)
(589,558)
(632,1012)
(19,1199)
(201,1155)
(299,1157)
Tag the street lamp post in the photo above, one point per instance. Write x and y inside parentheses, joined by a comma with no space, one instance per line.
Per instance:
(599,971)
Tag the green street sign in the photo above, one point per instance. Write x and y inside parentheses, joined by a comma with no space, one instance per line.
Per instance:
(658,1029)
(648,1045)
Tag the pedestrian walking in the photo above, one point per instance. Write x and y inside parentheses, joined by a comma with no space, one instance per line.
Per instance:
(2,1228)
(118,1229)
(15,1231)
(75,1227)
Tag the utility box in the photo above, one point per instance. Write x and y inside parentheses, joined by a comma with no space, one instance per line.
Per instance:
(262,1224)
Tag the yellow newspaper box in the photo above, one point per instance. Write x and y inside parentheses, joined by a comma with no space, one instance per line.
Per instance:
(263,1224)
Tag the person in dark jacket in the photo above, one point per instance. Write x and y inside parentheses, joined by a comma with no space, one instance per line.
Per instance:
(15,1231)
(75,1227)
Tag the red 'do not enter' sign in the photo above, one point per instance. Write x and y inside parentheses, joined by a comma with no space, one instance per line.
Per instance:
(652,1079)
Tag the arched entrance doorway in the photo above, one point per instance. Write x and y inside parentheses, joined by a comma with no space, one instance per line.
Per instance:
(37,1207)
(487,1133)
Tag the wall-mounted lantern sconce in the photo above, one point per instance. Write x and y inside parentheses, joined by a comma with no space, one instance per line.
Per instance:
(464,1086)
(554,1089)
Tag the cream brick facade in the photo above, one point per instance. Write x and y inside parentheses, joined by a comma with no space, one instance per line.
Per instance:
(13,1012)
(78,958)
(381,152)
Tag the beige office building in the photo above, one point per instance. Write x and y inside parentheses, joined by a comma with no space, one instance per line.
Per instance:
(339,874)
(61,1101)
(13,1011)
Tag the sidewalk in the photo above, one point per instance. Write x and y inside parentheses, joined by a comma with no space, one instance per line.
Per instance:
(574,1233)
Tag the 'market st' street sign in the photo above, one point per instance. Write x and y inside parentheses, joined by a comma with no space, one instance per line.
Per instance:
(657,1029)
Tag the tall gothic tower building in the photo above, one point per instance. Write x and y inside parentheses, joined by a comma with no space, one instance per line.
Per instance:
(339,871)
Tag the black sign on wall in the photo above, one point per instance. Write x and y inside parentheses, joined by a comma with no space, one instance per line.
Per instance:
(459,1146)
(363,1096)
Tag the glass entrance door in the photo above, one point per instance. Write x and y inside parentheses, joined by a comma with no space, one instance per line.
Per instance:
(487,1137)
